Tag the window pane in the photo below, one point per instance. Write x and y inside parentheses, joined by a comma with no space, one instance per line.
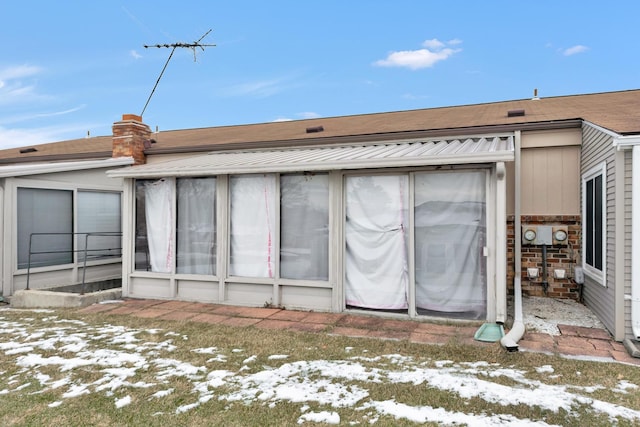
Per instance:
(598,222)
(304,226)
(252,225)
(589,223)
(450,233)
(99,216)
(196,228)
(154,225)
(45,211)
(142,248)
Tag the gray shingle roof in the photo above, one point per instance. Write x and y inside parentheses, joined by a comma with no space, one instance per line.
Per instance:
(616,111)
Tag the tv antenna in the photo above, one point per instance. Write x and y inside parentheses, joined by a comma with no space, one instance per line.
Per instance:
(193,46)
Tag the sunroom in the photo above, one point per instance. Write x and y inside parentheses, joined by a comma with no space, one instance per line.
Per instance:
(411,227)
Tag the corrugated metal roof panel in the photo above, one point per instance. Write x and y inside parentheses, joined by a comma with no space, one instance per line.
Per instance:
(439,151)
(43,168)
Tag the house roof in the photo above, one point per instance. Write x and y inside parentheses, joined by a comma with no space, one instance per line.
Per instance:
(404,153)
(618,112)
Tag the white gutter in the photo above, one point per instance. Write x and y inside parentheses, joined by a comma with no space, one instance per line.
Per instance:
(633,143)
(510,340)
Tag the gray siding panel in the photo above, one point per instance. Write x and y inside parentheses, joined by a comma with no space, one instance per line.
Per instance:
(597,148)
(628,172)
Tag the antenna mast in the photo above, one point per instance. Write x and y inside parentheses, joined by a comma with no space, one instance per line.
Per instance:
(174,46)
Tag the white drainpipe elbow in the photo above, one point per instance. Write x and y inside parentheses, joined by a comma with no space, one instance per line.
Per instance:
(510,340)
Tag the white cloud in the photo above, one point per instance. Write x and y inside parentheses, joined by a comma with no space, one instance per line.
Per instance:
(12,87)
(134,54)
(303,115)
(309,115)
(18,72)
(23,137)
(575,50)
(434,51)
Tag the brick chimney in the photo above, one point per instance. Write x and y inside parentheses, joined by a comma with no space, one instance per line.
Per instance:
(130,138)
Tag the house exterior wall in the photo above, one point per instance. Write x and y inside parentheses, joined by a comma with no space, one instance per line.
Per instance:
(550,195)
(56,275)
(601,298)
(625,246)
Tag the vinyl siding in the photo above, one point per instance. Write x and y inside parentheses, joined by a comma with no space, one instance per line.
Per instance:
(628,172)
(597,148)
(550,173)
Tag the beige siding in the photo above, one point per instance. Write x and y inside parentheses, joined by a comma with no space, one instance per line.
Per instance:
(597,148)
(552,138)
(551,181)
(550,173)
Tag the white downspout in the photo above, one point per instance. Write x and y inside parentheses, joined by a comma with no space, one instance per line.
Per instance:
(635,241)
(510,340)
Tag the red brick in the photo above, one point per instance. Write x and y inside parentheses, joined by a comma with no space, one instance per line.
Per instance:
(178,315)
(274,324)
(150,313)
(289,315)
(174,305)
(209,318)
(323,318)
(98,308)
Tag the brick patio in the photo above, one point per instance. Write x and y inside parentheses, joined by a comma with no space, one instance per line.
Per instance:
(572,341)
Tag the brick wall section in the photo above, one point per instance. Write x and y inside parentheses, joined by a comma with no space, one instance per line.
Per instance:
(562,257)
(130,138)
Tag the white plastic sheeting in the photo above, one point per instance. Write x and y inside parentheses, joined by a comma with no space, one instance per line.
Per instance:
(450,229)
(304,226)
(196,229)
(253,216)
(159,201)
(376,265)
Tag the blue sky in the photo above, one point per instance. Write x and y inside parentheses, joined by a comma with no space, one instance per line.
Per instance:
(69,67)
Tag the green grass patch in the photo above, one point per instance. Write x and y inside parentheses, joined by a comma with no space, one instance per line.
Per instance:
(67,368)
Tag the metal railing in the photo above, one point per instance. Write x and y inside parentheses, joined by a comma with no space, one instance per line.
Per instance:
(97,253)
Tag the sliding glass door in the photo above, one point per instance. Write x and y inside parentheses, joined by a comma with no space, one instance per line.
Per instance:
(449,236)
(376,267)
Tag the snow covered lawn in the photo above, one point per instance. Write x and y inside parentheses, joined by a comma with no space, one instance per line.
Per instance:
(66,369)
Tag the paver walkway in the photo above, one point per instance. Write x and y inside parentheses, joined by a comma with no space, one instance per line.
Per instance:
(572,341)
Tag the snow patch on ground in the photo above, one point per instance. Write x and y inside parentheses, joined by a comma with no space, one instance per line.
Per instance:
(332,384)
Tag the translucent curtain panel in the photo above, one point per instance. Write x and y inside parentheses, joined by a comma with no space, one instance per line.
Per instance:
(376,245)
(196,229)
(304,226)
(159,200)
(253,210)
(450,230)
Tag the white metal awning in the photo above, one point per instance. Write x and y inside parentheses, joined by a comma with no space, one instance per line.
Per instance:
(55,167)
(411,153)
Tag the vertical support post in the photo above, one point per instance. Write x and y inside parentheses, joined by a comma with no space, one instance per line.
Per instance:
(501,243)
